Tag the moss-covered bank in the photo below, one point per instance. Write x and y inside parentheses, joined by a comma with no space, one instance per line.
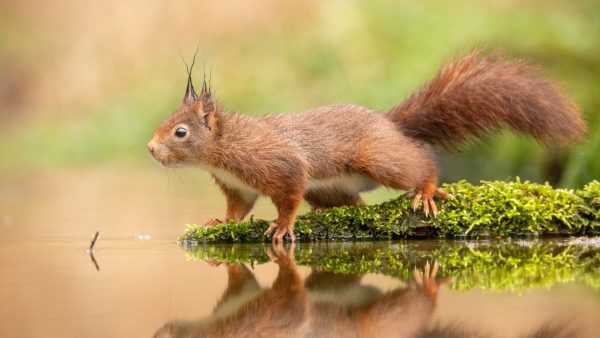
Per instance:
(490,265)
(498,209)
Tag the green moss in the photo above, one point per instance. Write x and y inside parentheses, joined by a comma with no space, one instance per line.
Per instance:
(497,209)
(497,266)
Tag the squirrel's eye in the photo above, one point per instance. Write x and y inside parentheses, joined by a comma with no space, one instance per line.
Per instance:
(180,132)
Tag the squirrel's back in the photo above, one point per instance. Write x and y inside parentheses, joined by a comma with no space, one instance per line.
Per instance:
(328,137)
(468,99)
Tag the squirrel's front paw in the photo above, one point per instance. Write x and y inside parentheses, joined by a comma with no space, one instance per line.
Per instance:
(280,232)
(212,222)
(271,228)
(212,262)
(278,254)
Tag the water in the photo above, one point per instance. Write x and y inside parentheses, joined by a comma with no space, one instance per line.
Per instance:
(145,284)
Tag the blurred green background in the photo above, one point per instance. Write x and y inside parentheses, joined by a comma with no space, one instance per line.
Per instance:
(84,84)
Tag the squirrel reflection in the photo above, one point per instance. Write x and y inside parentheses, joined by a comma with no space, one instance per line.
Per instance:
(324,305)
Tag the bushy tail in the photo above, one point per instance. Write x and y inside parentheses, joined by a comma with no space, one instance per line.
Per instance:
(479,94)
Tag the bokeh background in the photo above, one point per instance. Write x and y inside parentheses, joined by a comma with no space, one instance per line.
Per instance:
(83,84)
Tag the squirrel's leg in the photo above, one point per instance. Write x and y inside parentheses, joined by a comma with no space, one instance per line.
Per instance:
(399,163)
(283,309)
(415,304)
(323,199)
(240,281)
(286,205)
(238,204)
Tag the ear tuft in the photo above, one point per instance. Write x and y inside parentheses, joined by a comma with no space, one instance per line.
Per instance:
(190,94)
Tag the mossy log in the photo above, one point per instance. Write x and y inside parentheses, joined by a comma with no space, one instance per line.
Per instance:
(485,264)
(490,209)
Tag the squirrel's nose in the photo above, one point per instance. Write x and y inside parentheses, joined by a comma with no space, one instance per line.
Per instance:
(151,146)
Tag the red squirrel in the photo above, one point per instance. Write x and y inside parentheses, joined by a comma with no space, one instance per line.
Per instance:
(322,305)
(329,155)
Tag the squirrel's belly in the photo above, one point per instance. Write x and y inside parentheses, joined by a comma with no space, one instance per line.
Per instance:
(231,181)
(350,183)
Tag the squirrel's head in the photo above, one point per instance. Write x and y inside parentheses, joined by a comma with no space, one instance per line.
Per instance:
(184,136)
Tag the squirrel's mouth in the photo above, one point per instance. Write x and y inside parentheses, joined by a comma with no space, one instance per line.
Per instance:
(158,152)
(162,160)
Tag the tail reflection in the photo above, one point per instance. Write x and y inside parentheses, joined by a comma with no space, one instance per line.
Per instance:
(324,305)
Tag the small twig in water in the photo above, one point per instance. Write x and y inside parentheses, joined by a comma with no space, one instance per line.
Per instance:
(91,250)
(94,241)
(94,261)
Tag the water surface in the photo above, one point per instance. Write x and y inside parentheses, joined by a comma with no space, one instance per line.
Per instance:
(145,284)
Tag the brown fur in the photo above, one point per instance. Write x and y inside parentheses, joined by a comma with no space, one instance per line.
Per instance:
(237,206)
(328,155)
(287,310)
(481,93)
(323,199)
(328,304)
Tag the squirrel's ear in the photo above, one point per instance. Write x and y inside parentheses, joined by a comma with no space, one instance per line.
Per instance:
(206,109)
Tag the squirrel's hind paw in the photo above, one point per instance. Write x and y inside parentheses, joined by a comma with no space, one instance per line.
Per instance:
(443,194)
(426,280)
(428,202)
(280,232)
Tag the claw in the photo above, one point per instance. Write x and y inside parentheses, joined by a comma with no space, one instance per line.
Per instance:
(417,276)
(279,249)
(426,280)
(212,262)
(280,234)
(270,229)
(212,222)
(409,193)
(443,194)
(416,201)
(434,208)
(429,206)
(278,254)
(271,254)
(436,266)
